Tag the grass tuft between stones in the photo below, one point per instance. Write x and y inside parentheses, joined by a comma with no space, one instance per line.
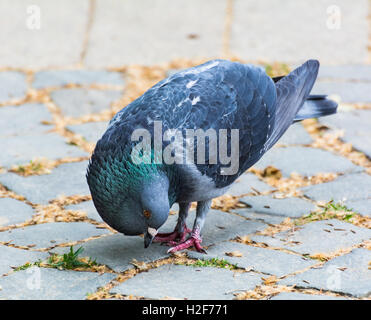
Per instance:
(214,262)
(66,261)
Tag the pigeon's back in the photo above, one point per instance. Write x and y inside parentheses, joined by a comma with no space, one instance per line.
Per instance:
(218,95)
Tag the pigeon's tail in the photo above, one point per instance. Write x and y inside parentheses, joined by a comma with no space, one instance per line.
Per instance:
(316,106)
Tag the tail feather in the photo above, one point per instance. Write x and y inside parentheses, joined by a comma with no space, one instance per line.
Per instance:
(292,92)
(316,106)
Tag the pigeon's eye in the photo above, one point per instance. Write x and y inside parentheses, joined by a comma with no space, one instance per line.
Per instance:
(147,213)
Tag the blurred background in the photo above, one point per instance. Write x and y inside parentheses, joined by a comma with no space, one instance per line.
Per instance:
(112,33)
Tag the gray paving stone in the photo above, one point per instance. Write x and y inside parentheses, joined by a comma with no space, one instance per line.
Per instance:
(12,257)
(246,182)
(46,235)
(267,261)
(12,85)
(54,78)
(348,187)
(13,211)
(57,42)
(348,91)
(305,161)
(326,236)
(287,207)
(363,207)
(183,282)
(219,226)
(51,284)
(67,179)
(156,33)
(296,134)
(78,101)
(88,207)
(118,251)
(24,119)
(355,279)
(91,131)
(345,72)
(266,218)
(358,135)
(22,149)
(277,40)
(303,296)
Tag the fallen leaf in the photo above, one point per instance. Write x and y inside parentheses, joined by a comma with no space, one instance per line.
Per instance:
(234,254)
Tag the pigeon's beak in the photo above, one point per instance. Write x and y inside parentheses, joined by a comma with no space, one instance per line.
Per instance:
(148,236)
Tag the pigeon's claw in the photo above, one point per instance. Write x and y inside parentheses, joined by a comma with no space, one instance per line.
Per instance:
(193,241)
(172,236)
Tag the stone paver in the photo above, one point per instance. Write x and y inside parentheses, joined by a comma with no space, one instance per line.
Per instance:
(88,207)
(56,41)
(91,131)
(67,179)
(117,251)
(12,85)
(219,226)
(183,282)
(287,207)
(351,92)
(24,119)
(359,135)
(345,72)
(348,274)
(303,296)
(268,261)
(12,257)
(50,234)
(348,187)
(51,284)
(296,134)
(154,36)
(363,207)
(13,211)
(78,102)
(326,236)
(277,40)
(57,78)
(23,149)
(305,161)
(246,182)
(25,136)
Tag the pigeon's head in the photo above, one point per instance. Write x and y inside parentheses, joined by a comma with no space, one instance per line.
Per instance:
(148,209)
(131,201)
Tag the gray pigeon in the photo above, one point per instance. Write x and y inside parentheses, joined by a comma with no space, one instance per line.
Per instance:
(133,186)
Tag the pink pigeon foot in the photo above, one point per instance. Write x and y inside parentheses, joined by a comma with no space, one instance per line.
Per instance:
(194,241)
(172,236)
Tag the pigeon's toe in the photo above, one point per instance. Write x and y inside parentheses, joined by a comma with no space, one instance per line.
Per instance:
(191,242)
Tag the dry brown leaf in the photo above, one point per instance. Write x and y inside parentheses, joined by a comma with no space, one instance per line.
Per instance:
(234,254)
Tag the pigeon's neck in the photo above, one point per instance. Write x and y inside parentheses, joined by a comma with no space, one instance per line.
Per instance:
(110,178)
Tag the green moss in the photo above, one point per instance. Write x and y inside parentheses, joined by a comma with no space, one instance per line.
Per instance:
(214,262)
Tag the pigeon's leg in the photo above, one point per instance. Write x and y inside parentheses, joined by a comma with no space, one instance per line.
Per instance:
(195,238)
(181,231)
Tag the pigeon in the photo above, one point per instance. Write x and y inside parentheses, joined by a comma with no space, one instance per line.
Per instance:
(133,187)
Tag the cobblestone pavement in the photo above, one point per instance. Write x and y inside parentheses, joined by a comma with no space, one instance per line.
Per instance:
(295,226)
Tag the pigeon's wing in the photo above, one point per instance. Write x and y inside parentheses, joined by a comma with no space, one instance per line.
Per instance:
(292,91)
(230,96)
